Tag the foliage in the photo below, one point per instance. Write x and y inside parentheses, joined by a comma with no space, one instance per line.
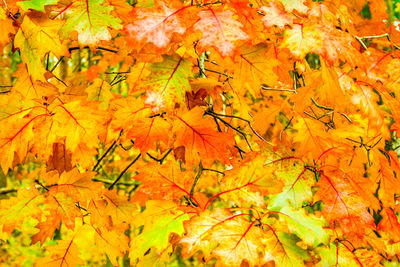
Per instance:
(234,132)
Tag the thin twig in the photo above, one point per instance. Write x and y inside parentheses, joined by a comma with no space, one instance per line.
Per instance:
(375,36)
(240,118)
(47,61)
(347,118)
(60,81)
(41,185)
(230,126)
(212,170)
(266,88)
(4,191)
(58,62)
(284,129)
(100,48)
(224,74)
(105,154)
(124,171)
(110,182)
(117,72)
(240,151)
(320,106)
(361,42)
(196,179)
(163,157)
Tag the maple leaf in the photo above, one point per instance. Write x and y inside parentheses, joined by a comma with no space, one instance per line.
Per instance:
(163,182)
(247,14)
(249,184)
(388,179)
(290,5)
(30,89)
(7,29)
(390,223)
(363,96)
(34,39)
(91,19)
(238,241)
(194,99)
(155,25)
(98,216)
(233,239)
(64,254)
(306,226)
(342,203)
(63,208)
(275,16)
(114,243)
(15,210)
(160,220)
(254,69)
(79,123)
(169,78)
(14,138)
(36,5)
(147,132)
(297,188)
(122,9)
(60,159)
(198,136)
(284,250)
(117,207)
(317,81)
(331,44)
(220,30)
(75,123)
(302,39)
(78,186)
(237,237)
(324,88)
(100,91)
(339,256)
(127,112)
(46,229)
(311,138)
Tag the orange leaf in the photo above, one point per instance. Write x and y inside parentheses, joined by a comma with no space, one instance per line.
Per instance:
(220,30)
(200,139)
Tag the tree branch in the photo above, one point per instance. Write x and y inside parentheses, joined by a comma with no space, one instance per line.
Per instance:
(123,172)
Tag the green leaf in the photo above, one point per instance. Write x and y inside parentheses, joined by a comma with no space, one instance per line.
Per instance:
(160,219)
(290,5)
(35,38)
(297,189)
(91,20)
(306,226)
(170,77)
(145,3)
(293,255)
(36,4)
(331,256)
(100,91)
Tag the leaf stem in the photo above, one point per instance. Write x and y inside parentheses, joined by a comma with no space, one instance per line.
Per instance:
(196,179)
(163,157)
(320,106)
(266,88)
